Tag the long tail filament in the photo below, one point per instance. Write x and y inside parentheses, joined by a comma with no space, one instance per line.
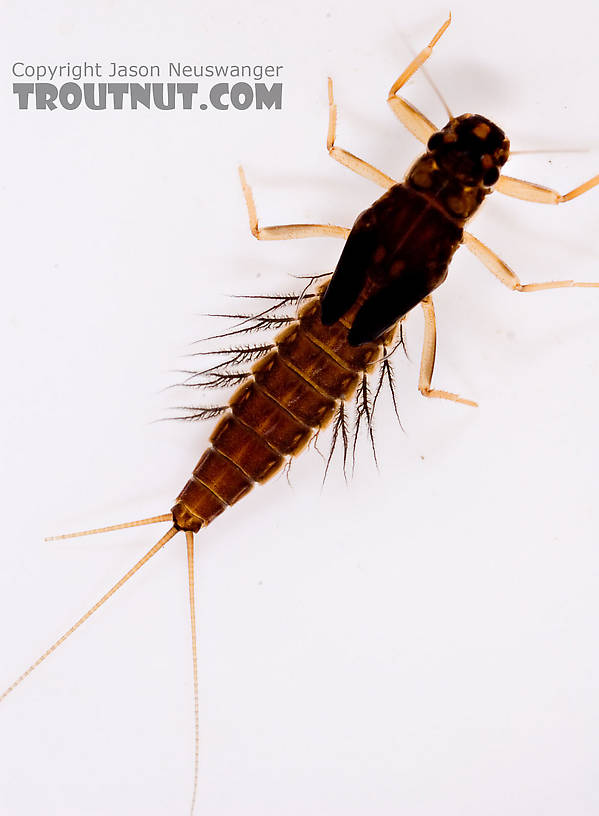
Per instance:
(158,546)
(140,523)
(194,651)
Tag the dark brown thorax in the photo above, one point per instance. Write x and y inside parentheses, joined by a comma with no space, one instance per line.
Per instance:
(399,249)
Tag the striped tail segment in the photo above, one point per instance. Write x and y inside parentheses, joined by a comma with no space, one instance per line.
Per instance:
(293,391)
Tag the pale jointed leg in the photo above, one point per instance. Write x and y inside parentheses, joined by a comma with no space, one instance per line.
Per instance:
(348,159)
(415,121)
(285,232)
(528,191)
(427,362)
(508,277)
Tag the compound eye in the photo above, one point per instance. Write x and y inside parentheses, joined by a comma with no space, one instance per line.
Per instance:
(491,177)
(435,141)
(502,154)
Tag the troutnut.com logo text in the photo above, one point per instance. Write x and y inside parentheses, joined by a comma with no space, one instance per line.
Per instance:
(54,87)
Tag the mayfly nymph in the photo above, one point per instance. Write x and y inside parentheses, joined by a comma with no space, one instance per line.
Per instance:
(395,256)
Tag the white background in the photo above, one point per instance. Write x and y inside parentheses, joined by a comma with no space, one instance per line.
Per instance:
(423,641)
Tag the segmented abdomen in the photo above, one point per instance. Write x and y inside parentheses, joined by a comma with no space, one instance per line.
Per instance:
(293,391)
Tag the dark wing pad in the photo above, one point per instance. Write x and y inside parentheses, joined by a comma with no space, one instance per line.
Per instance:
(385,307)
(350,273)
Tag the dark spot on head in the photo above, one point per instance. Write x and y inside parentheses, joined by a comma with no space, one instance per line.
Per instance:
(491,177)
(435,141)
